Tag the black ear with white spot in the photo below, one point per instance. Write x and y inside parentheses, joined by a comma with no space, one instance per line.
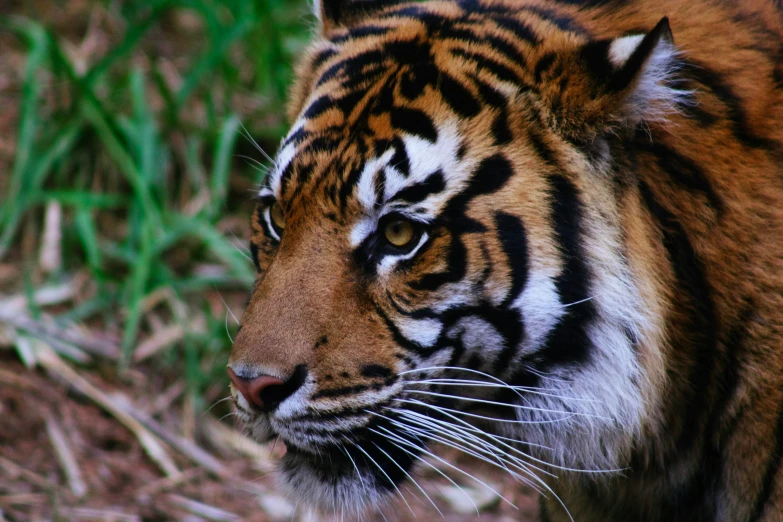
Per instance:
(642,63)
(617,83)
(344,13)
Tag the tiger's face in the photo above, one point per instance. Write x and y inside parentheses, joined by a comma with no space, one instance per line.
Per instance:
(430,243)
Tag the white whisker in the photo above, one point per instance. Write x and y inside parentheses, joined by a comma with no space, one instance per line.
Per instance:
(506,405)
(434,468)
(357,446)
(255,143)
(536,479)
(224,399)
(411,478)
(487,447)
(228,308)
(484,384)
(484,417)
(512,448)
(579,302)
(490,488)
(502,458)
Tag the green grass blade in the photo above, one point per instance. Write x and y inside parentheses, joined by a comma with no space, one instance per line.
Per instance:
(221,166)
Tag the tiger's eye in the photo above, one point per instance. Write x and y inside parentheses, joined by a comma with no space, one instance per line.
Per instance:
(399,232)
(278,219)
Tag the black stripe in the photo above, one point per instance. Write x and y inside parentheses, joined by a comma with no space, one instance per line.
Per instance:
(561,20)
(777,72)
(519,28)
(459,98)
(379,186)
(541,148)
(352,66)
(490,65)
(419,313)
(465,34)
(414,122)
(489,94)
(414,80)
(543,65)
(513,239)
(701,326)
(361,32)
(400,160)
(569,342)
(595,56)
(734,344)
(456,267)
(372,371)
(507,49)
(358,388)
(400,339)
(254,256)
(418,192)
(501,131)
(409,51)
(321,58)
(682,170)
(350,182)
(296,137)
(319,106)
(740,126)
(708,481)
(349,101)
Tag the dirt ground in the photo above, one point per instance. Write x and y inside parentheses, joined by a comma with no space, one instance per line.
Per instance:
(121,482)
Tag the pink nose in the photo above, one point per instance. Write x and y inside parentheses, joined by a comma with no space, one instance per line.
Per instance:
(263,392)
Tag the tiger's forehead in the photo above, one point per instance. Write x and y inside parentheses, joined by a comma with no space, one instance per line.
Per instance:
(390,107)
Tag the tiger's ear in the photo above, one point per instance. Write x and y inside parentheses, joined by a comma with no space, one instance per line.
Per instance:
(344,13)
(615,83)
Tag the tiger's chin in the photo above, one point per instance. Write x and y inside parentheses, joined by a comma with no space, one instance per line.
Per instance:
(329,482)
(356,474)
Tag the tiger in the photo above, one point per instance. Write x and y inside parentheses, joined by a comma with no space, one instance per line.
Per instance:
(548,234)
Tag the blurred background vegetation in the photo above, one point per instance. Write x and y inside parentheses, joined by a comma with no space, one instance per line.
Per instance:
(129,160)
(127,169)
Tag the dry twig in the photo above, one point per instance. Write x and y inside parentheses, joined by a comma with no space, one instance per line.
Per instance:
(201,509)
(14,380)
(66,457)
(14,471)
(197,454)
(23,499)
(161,340)
(97,514)
(224,437)
(60,335)
(49,360)
(164,400)
(170,482)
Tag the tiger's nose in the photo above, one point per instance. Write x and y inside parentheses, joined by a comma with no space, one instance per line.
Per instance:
(265,392)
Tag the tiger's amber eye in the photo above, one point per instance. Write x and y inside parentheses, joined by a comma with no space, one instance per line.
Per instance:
(399,232)
(278,219)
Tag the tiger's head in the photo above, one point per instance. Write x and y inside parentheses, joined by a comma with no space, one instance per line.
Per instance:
(448,250)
